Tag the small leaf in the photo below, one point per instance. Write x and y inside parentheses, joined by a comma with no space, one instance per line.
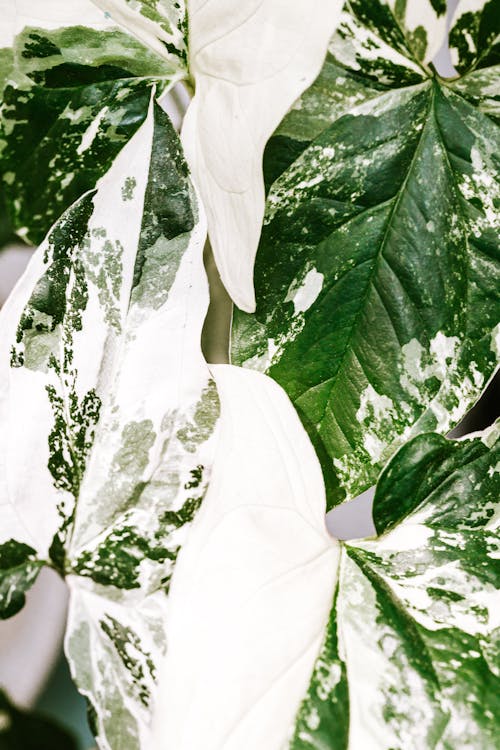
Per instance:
(19,570)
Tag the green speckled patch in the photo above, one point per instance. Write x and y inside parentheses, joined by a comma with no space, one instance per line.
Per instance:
(167,220)
(408,660)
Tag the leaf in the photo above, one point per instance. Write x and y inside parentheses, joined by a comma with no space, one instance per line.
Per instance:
(376,305)
(411,652)
(408,657)
(475,35)
(74,97)
(239,100)
(19,569)
(252,589)
(159,24)
(20,730)
(100,355)
(372,51)
(475,49)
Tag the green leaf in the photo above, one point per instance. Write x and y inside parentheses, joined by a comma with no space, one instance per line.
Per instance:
(411,651)
(19,569)
(376,294)
(20,730)
(74,97)
(100,355)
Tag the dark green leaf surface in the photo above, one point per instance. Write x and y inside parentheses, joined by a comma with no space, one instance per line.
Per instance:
(20,730)
(19,569)
(377,273)
(475,35)
(410,658)
(73,98)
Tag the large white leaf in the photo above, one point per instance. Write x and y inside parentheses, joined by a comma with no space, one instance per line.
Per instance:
(253,586)
(249,61)
(107,412)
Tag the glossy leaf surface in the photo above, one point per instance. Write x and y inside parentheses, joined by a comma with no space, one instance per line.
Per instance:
(377,273)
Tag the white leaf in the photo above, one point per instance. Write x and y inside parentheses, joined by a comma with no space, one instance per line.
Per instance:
(250,61)
(253,586)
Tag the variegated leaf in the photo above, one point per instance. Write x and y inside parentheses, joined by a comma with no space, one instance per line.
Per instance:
(19,569)
(161,25)
(475,47)
(372,51)
(107,414)
(377,287)
(410,658)
(252,589)
(475,35)
(240,98)
(74,95)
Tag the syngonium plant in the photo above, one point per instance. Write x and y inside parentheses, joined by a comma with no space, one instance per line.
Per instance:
(184,502)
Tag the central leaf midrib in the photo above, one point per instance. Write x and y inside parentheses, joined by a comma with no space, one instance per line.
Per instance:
(374,271)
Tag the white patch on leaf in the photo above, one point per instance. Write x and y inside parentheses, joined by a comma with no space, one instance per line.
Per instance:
(307,293)
(91,132)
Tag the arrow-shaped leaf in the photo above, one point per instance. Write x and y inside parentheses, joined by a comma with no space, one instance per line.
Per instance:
(375,281)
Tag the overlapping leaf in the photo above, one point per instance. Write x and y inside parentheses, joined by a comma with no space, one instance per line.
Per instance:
(240,97)
(107,414)
(407,658)
(410,659)
(377,273)
(73,96)
(252,590)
